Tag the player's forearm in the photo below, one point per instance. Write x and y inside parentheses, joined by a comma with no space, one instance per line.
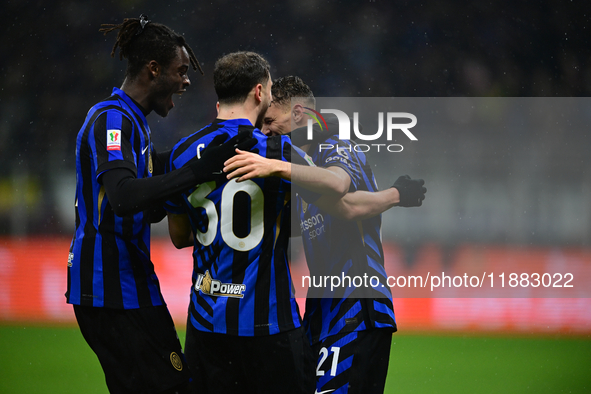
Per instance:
(279,168)
(320,180)
(360,205)
(315,179)
(330,181)
(130,195)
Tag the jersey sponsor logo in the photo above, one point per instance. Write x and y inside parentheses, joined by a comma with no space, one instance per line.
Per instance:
(337,158)
(313,226)
(343,156)
(113,139)
(213,287)
(323,392)
(311,222)
(144,150)
(176,361)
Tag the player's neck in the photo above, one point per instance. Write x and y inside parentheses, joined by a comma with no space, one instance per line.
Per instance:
(239,111)
(137,93)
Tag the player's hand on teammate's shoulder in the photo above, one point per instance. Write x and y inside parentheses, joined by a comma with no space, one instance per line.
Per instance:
(211,163)
(412,191)
(247,165)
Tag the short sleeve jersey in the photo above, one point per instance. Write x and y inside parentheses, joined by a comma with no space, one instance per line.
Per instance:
(109,262)
(242,283)
(347,249)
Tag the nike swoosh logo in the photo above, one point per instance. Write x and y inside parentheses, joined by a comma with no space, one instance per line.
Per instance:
(144,150)
(323,392)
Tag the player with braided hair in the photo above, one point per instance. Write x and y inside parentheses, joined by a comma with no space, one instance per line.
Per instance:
(155,40)
(120,188)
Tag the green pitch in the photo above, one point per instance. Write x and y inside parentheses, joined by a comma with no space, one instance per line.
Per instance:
(57,360)
(469,364)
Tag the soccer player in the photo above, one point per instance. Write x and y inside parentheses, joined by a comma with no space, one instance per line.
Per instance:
(244,331)
(111,280)
(350,330)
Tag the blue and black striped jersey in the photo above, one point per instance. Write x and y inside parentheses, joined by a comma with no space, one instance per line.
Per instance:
(344,249)
(109,262)
(241,279)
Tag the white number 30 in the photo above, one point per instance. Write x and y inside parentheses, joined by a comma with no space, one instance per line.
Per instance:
(198,199)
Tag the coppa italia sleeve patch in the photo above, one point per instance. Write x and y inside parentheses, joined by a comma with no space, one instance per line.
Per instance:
(113,139)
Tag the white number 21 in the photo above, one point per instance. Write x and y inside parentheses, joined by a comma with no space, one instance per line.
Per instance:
(335,360)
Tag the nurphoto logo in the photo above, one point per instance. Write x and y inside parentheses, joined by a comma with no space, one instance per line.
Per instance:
(392,124)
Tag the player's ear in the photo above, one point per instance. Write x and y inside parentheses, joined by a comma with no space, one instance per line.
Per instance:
(297,113)
(154,68)
(258,92)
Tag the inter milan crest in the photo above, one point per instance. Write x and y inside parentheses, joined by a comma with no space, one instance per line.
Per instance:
(176,362)
(304,206)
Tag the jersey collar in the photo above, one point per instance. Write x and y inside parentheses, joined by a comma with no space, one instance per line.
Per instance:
(237,122)
(132,103)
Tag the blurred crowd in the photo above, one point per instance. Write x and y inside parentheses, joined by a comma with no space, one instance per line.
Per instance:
(56,64)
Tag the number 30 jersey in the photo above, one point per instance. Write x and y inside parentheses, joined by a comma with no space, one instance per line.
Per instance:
(241,278)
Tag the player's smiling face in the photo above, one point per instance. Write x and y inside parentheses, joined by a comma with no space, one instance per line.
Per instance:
(277,120)
(172,80)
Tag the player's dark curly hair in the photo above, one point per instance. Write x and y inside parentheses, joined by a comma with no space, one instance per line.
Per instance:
(140,40)
(235,74)
(286,88)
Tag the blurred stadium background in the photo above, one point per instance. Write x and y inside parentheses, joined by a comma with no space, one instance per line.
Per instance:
(511,194)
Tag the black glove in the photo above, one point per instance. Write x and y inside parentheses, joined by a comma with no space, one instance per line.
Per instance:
(209,166)
(412,192)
